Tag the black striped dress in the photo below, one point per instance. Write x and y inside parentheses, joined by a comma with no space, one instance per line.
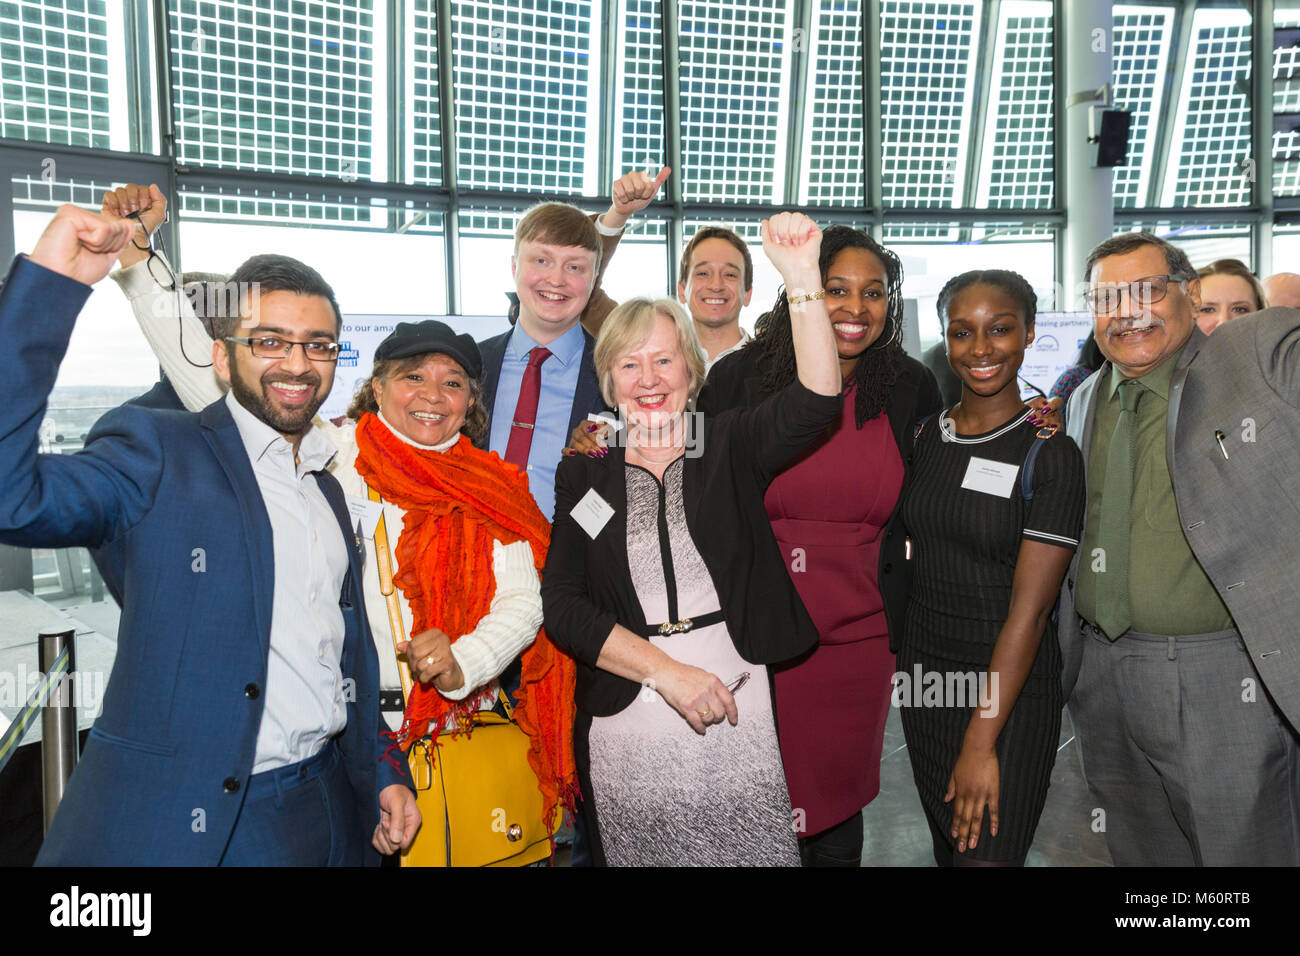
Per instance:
(964,548)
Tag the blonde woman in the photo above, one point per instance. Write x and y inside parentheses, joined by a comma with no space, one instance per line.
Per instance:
(665,583)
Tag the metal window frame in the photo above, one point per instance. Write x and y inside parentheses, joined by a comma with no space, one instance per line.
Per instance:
(869,210)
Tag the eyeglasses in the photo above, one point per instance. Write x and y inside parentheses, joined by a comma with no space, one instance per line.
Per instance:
(163,275)
(156,264)
(1103,300)
(274,347)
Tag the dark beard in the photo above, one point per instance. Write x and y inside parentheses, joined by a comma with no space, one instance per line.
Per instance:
(283,421)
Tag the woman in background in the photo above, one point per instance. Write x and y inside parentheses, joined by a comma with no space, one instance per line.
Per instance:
(1228,291)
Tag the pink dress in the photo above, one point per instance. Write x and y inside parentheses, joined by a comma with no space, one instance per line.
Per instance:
(828,511)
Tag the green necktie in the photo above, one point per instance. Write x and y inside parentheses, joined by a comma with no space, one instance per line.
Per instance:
(1114,609)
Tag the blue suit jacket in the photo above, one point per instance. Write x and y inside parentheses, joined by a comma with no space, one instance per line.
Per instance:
(170,499)
(585,398)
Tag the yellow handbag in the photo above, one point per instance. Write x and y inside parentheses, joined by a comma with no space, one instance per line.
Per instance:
(478,796)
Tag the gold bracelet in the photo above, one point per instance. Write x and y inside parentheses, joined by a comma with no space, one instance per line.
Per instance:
(806,297)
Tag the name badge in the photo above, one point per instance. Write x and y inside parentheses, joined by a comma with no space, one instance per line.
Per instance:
(990,477)
(367,512)
(592,513)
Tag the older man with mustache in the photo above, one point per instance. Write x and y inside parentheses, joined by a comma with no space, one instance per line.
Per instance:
(1177,624)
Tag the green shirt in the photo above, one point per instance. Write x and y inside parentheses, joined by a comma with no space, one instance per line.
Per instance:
(1169,593)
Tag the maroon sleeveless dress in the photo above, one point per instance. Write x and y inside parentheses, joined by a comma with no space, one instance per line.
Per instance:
(828,511)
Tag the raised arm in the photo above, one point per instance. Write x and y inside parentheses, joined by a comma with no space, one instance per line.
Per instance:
(60,500)
(166,317)
(631,193)
(793,242)
(776,430)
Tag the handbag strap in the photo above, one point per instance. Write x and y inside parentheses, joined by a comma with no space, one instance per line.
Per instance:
(384,559)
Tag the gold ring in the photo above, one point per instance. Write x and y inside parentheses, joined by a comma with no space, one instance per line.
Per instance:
(705,712)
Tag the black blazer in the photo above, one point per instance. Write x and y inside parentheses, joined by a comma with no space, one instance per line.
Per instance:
(587,584)
(586,398)
(736,381)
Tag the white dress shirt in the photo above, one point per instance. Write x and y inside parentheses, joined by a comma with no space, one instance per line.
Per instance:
(304,677)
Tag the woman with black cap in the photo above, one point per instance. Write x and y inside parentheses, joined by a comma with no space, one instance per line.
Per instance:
(467,542)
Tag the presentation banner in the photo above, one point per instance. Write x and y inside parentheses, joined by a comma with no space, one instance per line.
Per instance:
(362,334)
(1058,336)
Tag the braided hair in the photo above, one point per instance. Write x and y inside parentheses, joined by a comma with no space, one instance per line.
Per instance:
(1012,283)
(878,365)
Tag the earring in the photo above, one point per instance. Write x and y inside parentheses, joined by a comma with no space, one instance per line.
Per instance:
(898,325)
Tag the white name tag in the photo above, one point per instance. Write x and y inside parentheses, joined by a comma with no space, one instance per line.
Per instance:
(592,513)
(990,477)
(367,512)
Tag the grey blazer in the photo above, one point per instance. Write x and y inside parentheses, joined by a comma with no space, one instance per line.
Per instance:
(1240,513)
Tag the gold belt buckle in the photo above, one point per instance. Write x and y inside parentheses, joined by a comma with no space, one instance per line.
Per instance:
(680,627)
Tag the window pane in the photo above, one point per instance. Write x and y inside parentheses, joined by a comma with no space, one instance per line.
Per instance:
(486,245)
(640,265)
(1286,248)
(639,97)
(735,91)
(1286,99)
(927,94)
(1016,169)
(831,145)
(526,112)
(423,124)
(401,248)
(108,359)
(1140,46)
(1202,243)
(59,74)
(288,90)
(1210,163)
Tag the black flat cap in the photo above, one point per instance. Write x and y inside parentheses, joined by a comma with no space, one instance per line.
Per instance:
(419,338)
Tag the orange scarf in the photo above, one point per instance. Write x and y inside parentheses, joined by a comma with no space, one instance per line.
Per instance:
(457,503)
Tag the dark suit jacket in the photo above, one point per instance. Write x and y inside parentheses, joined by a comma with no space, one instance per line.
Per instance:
(171,500)
(587,585)
(737,381)
(586,398)
(1240,514)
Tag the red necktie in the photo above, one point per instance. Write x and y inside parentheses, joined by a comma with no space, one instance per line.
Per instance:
(521,427)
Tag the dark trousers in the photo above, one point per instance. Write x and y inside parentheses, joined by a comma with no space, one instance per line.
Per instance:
(840,845)
(300,815)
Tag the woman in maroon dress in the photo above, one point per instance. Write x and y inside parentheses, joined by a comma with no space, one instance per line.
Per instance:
(830,512)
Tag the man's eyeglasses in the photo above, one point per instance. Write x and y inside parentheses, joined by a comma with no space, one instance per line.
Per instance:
(274,347)
(1103,300)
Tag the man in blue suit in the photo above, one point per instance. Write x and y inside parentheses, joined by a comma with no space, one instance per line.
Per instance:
(241,725)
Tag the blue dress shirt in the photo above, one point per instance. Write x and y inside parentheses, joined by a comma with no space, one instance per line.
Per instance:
(554,407)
